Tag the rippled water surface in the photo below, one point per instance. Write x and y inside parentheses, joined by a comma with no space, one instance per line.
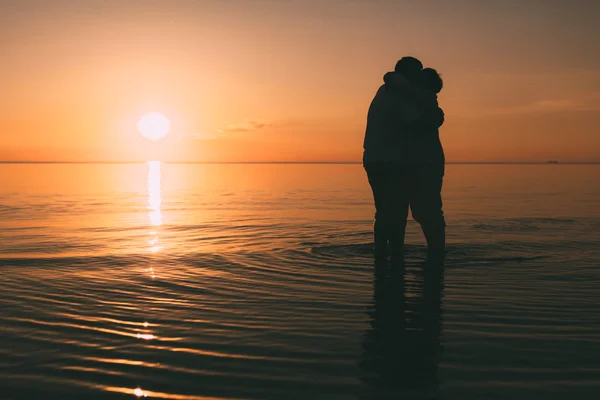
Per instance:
(256,282)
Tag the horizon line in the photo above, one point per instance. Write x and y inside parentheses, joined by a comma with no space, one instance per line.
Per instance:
(297,162)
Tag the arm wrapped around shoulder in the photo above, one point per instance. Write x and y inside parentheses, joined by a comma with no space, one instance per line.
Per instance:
(430,119)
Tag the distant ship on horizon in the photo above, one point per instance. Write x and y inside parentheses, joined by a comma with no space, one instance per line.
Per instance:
(552,162)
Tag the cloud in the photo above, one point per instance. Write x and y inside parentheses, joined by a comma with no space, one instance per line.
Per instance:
(585,103)
(229,131)
(552,105)
(245,127)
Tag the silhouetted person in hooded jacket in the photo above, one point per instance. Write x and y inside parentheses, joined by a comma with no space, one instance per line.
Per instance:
(404,158)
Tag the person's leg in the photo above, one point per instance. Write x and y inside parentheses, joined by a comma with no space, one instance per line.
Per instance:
(376,174)
(391,207)
(398,198)
(426,206)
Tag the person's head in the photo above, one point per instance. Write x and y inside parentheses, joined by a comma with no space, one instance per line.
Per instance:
(410,67)
(431,80)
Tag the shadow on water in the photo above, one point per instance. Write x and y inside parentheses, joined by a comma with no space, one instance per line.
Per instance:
(403,345)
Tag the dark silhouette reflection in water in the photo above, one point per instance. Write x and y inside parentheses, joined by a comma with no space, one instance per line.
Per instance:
(402,347)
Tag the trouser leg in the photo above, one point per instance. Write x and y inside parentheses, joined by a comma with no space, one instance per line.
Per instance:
(377,181)
(398,210)
(391,207)
(426,207)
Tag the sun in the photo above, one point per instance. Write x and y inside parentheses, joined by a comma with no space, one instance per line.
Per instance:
(154,126)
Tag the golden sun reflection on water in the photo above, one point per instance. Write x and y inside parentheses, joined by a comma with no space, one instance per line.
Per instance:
(140,393)
(145,336)
(155,217)
(154,193)
(154,206)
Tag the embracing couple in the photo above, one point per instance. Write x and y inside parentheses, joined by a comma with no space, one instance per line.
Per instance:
(404,158)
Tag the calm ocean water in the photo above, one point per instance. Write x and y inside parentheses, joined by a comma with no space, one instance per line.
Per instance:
(256,282)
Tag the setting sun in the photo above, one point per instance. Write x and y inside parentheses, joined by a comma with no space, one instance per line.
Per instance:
(154,126)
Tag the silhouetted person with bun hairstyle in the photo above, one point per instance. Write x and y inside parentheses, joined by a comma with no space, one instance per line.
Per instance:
(404,158)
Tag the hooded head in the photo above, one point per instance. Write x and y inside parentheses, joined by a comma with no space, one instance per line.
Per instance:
(410,67)
(431,80)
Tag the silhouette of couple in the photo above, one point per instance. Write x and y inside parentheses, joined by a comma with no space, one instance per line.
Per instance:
(404,159)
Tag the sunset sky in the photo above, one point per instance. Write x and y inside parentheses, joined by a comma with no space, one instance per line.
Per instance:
(292,80)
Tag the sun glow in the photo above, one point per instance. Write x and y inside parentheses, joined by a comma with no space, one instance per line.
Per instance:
(154,126)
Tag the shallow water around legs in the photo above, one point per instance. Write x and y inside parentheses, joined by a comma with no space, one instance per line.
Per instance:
(174,281)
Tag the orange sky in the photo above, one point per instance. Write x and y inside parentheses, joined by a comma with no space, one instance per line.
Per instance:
(292,80)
